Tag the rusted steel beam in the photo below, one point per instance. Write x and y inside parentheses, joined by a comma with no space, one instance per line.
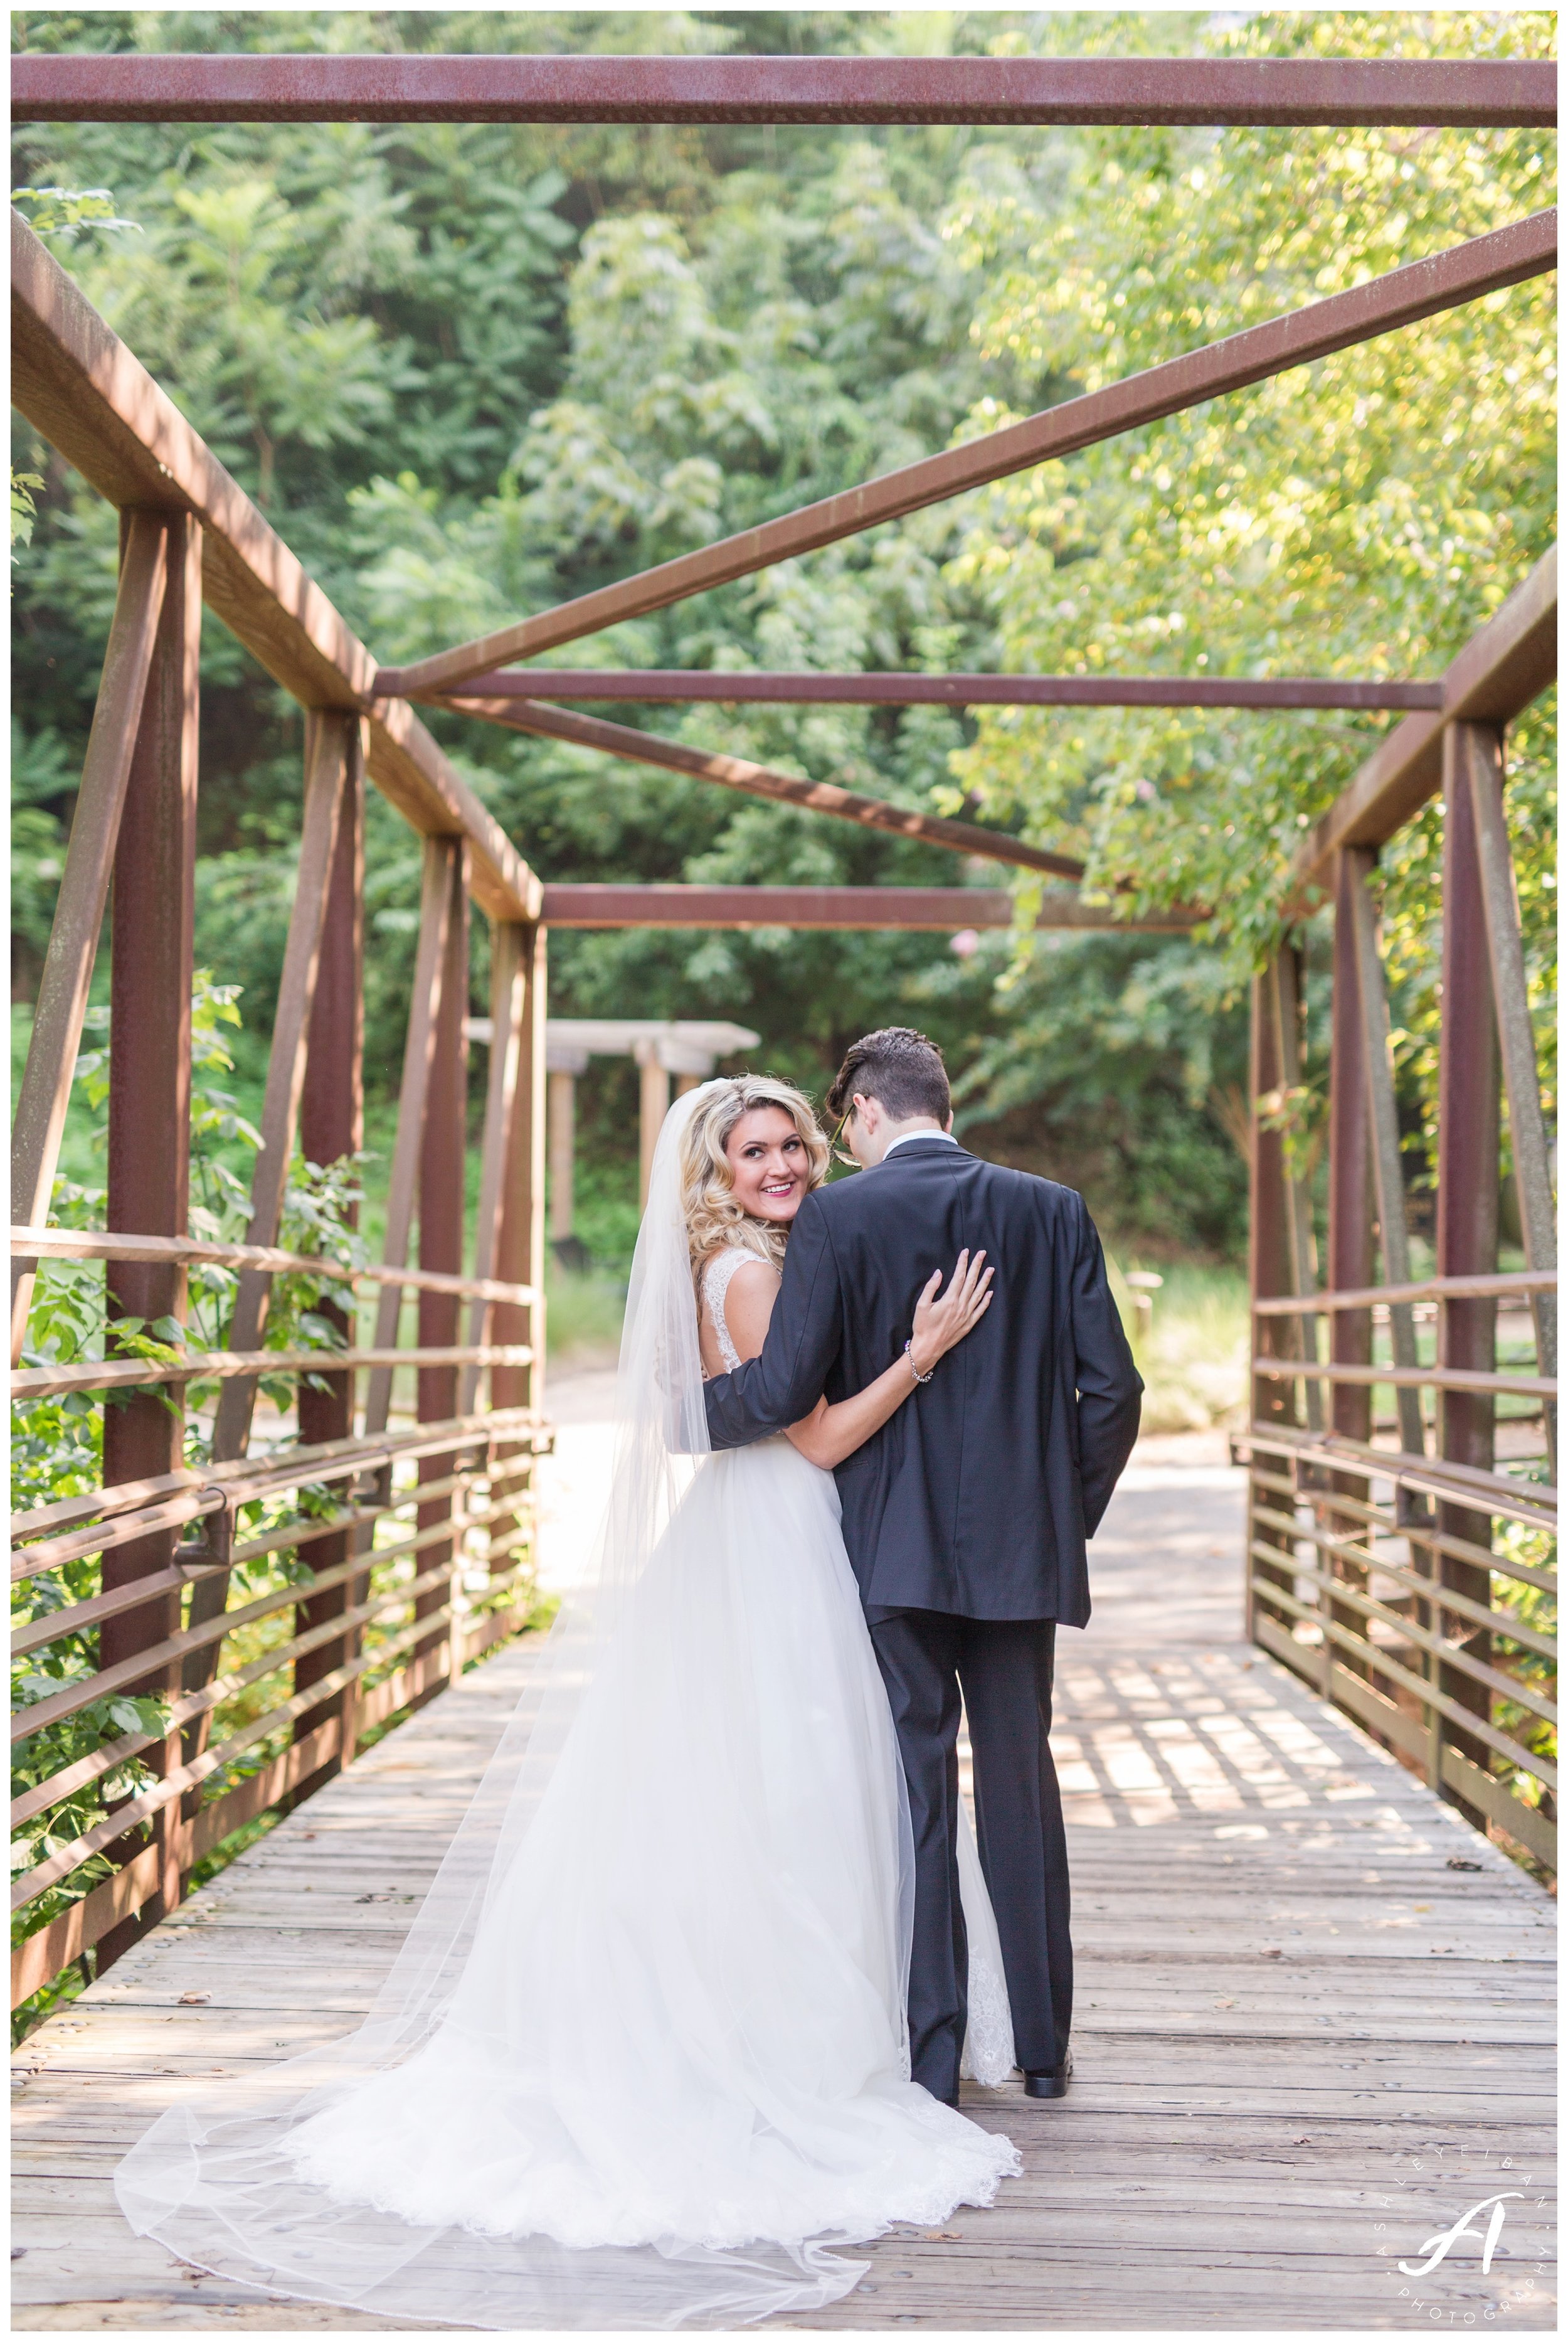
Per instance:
(1527,247)
(152,957)
(1350,1174)
(508,1000)
(949,909)
(79,386)
(328,782)
(762,781)
(1388,1170)
(226,1365)
(1284,91)
(1468,1144)
(88,1243)
(441,1215)
(331,1126)
(45,1089)
(668,685)
(1430,1289)
(1350,1228)
(1478,748)
(419,1046)
(1442,1379)
(1269,1271)
(1502,668)
(1283,979)
(520,1252)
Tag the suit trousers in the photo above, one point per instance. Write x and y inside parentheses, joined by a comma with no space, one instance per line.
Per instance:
(1002,1668)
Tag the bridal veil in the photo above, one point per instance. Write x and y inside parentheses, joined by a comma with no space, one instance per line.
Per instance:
(398,2171)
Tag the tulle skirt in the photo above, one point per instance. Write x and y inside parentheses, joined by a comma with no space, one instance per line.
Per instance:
(674,2073)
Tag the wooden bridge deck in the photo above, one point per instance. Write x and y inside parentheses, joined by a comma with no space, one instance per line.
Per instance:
(1305,2040)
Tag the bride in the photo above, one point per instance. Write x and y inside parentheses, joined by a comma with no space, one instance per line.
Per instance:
(642,2059)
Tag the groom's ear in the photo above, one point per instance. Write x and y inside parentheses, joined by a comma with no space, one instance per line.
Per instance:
(947,1126)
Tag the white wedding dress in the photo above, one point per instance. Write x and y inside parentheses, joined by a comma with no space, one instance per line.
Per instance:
(644,2060)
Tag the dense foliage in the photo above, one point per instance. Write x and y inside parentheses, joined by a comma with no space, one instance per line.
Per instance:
(470,371)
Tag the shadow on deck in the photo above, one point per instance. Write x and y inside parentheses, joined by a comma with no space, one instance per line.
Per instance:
(1313,2019)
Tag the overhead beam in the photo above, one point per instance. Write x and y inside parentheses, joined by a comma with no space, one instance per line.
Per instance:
(762,781)
(1509,662)
(1526,248)
(79,386)
(948,909)
(1284,91)
(661,686)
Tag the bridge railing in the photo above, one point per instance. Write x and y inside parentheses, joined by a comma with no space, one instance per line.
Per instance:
(1404,1559)
(1414,1591)
(260,1553)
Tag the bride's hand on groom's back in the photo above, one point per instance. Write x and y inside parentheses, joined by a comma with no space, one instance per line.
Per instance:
(942,1320)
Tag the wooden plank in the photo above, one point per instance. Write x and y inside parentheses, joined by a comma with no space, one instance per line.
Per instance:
(1284,1996)
(1509,662)
(82,389)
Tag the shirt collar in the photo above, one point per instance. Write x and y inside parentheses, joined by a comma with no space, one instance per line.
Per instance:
(905,1137)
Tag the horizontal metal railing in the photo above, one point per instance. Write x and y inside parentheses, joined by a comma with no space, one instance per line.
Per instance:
(406,1624)
(92,1243)
(1379,1575)
(492,1451)
(221,1365)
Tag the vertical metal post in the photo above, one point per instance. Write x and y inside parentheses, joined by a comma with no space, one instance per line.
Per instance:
(1480,749)
(1284,982)
(1269,1271)
(653,1105)
(423,1018)
(442,1159)
(332,1126)
(1350,1213)
(440,859)
(1387,1170)
(520,1256)
(509,993)
(1468,1137)
(563,1151)
(325,774)
(324,778)
(45,1087)
(149,1135)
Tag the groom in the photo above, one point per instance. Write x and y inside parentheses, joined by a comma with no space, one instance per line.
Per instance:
(965,1518)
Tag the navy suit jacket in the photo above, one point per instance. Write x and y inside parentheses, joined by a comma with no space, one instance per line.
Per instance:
(978,1496)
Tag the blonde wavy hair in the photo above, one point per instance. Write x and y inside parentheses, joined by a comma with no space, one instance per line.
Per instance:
(713,1216)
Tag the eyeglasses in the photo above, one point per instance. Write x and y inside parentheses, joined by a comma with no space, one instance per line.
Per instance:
(841,1154)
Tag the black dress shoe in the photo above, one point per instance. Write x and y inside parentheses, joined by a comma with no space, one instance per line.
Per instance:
(1051,2083)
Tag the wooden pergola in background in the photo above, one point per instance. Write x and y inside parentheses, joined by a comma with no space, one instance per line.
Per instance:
(1371,1568)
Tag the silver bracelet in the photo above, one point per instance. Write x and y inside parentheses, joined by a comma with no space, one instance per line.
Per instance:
(913,1369)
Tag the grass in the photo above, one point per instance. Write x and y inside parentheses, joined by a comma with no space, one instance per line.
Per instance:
(583,1314)
(1192,1345)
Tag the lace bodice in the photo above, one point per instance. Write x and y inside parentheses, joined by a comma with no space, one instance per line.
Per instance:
(716,1276)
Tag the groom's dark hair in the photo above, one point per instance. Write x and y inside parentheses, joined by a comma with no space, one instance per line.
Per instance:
(900,1068)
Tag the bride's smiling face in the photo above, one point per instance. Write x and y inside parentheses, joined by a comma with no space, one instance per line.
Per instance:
(768,1164)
